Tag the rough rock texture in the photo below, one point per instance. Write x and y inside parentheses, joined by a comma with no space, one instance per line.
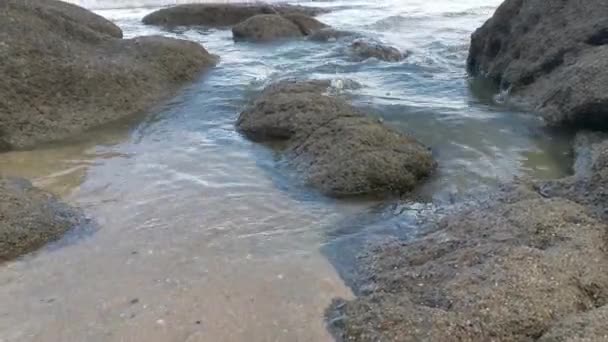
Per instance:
(518,269)
(365,49)
(338,149)
(552,54)
(265,28)
(30,217)
(64,70)
(587,327)
(221,15)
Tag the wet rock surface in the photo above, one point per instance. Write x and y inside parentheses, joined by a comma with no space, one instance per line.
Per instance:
(222,15)
(338,149)
(552,55)
(30,217)
(365,49)
(65,70)
(517,269)
(330,34)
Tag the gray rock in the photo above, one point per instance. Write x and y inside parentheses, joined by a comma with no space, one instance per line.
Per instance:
(552,55)
(221,15)
(337,149)
(366,49)
(265,28)
(64,70)
(30,217)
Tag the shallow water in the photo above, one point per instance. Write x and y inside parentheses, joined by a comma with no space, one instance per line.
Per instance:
(204,236)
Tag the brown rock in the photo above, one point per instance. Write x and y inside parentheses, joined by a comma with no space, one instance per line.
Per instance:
(221,15)
(505,271)
(365,49)
(307,25)
(29,218)
(339,150)
(265,28)
(64,71)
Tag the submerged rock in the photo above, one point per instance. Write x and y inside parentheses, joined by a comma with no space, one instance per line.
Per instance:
(30,217)
(338,149)
(552,55)
(330,34)
(221,15)
(365,49)
(519,269)
(65,70)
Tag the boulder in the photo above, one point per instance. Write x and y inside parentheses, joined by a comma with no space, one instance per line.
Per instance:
(552,55)
(30,217)
(265,28)
(222,15)
(336,148)
(365,49)
(518,268)
(65,70)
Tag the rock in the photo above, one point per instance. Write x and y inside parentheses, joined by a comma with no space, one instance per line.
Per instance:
(30,217)
(221,15)
(368,49)
(64,70)
(509,270)
(589,185)
(337,149)
(552,55)
(585,327)
(307,25)
(329,35)
(265,28)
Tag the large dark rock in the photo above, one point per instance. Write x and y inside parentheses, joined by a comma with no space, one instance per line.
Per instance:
(338,149)
(221,15)
(65,70)
(519,268)
(552,55)
(30,217)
